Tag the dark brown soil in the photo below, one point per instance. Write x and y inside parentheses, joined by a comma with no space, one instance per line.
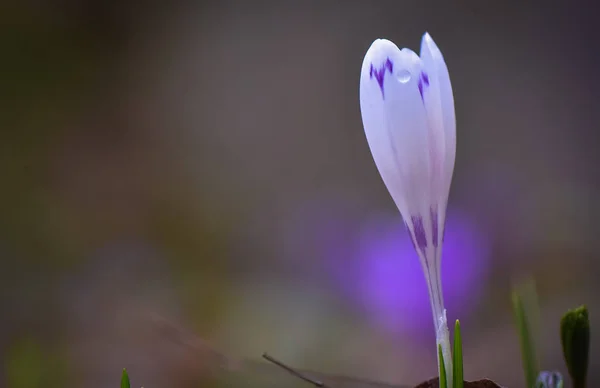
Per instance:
(434,383)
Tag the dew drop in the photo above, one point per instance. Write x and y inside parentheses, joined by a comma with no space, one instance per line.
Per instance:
(403,76)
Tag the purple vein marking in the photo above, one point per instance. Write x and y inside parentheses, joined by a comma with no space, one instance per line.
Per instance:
(420,236)
(380,73)
(423,83)
(434,226)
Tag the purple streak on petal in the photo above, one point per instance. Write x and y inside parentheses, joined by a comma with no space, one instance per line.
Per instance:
(423,83)
(380,73)
(434,226)
(420,235)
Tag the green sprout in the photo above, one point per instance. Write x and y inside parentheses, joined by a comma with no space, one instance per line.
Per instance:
(575,338)
(125,379)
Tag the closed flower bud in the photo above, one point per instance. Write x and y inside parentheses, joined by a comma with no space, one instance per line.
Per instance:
(407,109)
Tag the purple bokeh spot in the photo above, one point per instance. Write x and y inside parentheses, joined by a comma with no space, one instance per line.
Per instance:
(386,279)
(434,226)
(372,265)
(420,235)
(380,73)
(423,83)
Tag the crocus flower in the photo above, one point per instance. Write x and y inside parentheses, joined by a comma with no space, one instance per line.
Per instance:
(407,109)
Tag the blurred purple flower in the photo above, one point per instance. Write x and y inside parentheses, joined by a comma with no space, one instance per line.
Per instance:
(386,278)
(371,263)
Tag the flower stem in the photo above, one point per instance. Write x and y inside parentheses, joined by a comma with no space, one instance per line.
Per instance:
(442,335)
(443,342)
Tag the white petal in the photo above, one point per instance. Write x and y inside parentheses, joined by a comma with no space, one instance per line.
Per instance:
(439,103)
(396,124)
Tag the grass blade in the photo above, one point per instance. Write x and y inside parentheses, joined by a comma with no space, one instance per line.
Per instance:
(443,382)
(457,363)
(528,357)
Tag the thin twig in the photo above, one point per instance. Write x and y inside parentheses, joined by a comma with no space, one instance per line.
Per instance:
(294,372)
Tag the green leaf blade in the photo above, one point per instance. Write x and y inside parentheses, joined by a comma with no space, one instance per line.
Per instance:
(125,379)
(528,355)
(443,382)
(457,357)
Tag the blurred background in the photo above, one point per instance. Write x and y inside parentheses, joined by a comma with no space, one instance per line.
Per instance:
(207,162)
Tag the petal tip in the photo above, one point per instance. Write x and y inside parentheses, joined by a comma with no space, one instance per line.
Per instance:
(381,47)
(427,42)
(378,62)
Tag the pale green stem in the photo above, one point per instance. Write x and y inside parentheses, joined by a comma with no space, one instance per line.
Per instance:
(442,335)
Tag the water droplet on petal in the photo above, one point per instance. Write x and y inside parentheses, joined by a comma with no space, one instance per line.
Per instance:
(403,76)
